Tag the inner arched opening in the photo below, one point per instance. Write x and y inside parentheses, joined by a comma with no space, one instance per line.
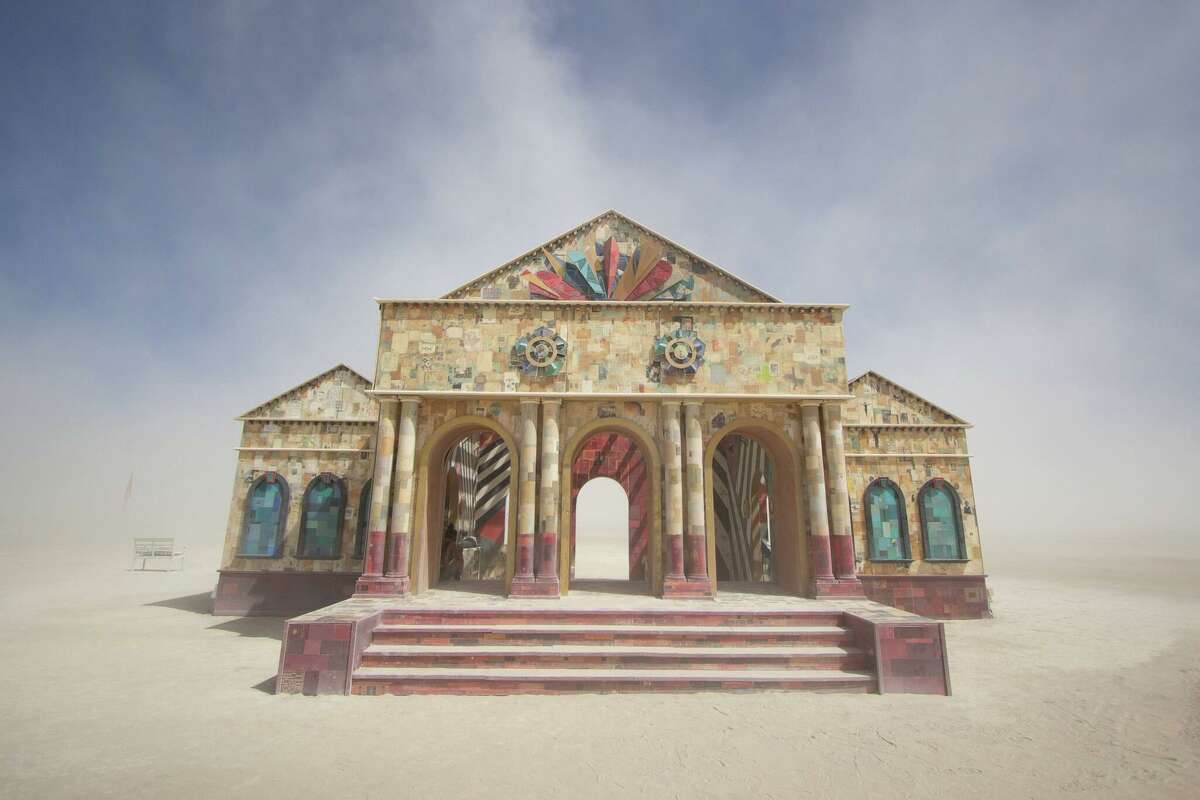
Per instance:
(476,472)
(612,516)
(601,532)
(743,491)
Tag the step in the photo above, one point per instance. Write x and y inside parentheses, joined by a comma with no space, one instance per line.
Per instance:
(710,617)
(615,657)
(660,635)
(435,680)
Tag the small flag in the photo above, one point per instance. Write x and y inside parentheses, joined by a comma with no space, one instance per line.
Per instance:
(129,489)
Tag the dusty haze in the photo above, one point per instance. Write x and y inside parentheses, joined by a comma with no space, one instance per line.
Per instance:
(198,202)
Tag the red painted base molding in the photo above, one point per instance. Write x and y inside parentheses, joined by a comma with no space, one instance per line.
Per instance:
(279,594)
(837,587)
(535,587)
(682,588)
(936,596)
(374,584)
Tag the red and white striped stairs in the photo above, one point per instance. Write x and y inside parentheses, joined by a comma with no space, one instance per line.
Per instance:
(552,651)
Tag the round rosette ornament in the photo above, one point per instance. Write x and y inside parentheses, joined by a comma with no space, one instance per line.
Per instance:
(678,353)
(541,353)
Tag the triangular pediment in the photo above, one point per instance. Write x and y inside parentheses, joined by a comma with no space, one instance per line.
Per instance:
(611,257)
(879,401)
(336,394)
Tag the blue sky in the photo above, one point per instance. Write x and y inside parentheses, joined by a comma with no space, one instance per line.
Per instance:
(199,200)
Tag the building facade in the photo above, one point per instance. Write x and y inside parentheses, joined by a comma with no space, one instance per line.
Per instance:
(725,414)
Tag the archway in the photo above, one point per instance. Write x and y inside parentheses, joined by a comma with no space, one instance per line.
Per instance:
(743,482)
(476,474)
(623,452)
(602,540)
(753,506)
(466,489)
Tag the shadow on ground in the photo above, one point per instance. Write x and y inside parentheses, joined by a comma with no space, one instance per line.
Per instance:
(495,588)
(267,686)
(196,603)
(257,627)
(609,586)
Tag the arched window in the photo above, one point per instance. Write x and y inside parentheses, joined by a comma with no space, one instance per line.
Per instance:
(264,517)
(941,522)
(887,525)
(321,519)
(364,516)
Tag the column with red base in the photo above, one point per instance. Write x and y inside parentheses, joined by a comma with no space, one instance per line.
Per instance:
(675,581)
(818,512)
(546,582)
(840,538)
(381,495)
(524,583)
(696,543)
(403,492)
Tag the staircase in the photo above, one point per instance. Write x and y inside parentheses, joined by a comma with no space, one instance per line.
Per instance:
(551,651)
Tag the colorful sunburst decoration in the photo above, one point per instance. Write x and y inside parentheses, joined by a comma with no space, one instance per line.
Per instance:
(600,271)
(540,353)
(678,353)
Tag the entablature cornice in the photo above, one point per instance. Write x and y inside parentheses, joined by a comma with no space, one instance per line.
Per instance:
(667,397)
(602,304)
(907,425)
(342,450)
(908,455)
(301,420)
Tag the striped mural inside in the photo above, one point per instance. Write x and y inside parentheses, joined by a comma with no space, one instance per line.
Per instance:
(742,482)
(477,474)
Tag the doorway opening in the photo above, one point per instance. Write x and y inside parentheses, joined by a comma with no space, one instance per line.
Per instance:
(743,489)
(476,472)
(610,530)
(601,538)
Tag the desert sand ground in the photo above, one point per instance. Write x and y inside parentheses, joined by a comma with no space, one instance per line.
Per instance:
(1087,683)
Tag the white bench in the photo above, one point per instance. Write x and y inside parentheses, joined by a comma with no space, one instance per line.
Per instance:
(157,554)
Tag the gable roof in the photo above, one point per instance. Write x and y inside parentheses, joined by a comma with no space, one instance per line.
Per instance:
(256,412)
(672,280)
(946,417)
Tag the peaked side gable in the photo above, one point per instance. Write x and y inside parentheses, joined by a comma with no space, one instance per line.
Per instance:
(880,401)
(338,393)
(611,257)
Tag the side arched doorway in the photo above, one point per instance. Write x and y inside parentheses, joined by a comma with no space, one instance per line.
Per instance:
(624,453)
(753,510)
(466,479)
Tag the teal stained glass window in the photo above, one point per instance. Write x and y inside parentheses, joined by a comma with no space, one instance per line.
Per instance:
(266,510)
(887,528)
(364,515)
(321,522)
(940,522)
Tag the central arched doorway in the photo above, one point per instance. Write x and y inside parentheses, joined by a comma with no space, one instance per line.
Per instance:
(755,539)
(625,454)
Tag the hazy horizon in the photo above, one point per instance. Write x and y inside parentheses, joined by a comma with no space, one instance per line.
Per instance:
(198,203)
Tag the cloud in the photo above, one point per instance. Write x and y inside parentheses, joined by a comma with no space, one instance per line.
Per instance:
(204,199)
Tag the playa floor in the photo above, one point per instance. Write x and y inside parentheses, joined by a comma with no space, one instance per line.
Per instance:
(1086,683)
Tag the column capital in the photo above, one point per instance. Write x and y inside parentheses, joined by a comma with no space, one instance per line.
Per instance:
(692,404)
(810,403)
(410,401)
(530,401)
(672,402)
(388,401)
(551,402)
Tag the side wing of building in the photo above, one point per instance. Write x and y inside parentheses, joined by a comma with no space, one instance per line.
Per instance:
(300,491)
(912,502)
